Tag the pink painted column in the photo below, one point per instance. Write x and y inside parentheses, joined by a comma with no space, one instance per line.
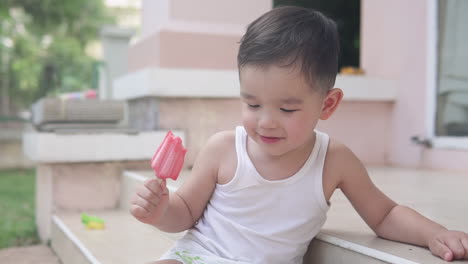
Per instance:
(393,45)
(183,36)
(192,34)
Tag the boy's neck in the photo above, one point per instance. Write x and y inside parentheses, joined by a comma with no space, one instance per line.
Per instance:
(282,166)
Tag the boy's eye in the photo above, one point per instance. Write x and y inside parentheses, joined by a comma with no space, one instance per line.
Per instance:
(288,110)
(253,106)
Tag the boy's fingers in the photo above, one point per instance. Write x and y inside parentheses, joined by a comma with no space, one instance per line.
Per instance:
(149,195)
(441,250)
(147,204)
(156,185)
(464,242)
(456,246)
(138,211)
(152,184)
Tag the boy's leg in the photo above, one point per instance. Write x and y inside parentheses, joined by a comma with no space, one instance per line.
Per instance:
(166,261)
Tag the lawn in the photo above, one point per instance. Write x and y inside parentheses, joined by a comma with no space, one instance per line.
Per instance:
(17,222)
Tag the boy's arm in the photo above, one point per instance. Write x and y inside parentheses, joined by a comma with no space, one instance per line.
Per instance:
(187,204)
(406,225)
(197,190)
(388,219)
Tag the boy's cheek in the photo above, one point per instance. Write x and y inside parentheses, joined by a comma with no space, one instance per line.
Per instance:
(246,114)
(248,121)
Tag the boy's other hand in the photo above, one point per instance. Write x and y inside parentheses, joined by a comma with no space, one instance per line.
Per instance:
(450,245)
(151,201)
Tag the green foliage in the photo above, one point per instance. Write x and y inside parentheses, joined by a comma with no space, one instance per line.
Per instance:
(346,14)
(43,44)
(17,223)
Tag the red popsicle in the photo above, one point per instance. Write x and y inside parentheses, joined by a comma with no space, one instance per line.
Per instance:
(169,157)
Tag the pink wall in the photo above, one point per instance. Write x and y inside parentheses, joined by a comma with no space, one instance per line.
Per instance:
(215,11)
(144,54)
(364,127)
(192,34)
(380,50)
(394,44)
(169,49)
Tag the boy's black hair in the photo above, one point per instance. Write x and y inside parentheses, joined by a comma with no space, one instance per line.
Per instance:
(294,36)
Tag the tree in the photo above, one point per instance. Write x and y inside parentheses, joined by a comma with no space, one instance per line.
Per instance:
(42,47)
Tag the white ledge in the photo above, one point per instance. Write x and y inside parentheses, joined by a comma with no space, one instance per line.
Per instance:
(365,88)
(453,143)
(93,147)
(177,83)
(159,82)
(75,240)
(366,251)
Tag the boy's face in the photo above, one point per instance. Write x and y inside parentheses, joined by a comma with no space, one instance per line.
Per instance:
(279,108)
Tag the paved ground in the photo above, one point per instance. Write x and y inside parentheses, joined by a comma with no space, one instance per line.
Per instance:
(38,254)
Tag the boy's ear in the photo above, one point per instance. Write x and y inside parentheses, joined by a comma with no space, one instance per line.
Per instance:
(331,102)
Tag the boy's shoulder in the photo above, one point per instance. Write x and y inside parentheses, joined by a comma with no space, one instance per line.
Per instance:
(337,150)
(223,147)
(221,142)
(216,151)
(340,161)
(223,137)
(340,155)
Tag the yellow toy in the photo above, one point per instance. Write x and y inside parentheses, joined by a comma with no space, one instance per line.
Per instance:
(92,222)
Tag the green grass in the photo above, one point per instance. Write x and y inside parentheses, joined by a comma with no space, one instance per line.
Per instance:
(17,222)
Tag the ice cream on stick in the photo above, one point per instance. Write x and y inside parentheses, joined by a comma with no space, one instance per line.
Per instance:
(169,157)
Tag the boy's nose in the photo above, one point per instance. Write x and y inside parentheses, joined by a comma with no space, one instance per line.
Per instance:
(267,121)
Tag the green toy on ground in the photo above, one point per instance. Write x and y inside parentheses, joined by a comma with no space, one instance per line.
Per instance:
(92,222)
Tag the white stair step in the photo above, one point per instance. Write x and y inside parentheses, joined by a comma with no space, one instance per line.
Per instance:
(124,240)
(344,238)
(75,147)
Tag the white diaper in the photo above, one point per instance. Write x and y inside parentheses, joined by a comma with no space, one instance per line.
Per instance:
(189,251)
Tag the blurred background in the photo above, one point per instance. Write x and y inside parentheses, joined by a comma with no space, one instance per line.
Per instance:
(47,49)
(55,49)
(145,66)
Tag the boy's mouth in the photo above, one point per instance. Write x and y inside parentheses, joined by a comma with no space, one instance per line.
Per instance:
(269,140)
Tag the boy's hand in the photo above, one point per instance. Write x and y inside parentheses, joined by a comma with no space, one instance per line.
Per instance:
(450,245)
(151,201)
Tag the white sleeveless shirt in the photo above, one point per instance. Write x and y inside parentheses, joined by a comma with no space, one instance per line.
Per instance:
(255,220)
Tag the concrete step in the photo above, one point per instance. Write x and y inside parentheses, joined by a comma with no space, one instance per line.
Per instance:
(39,254)
(124,240)
(345,238)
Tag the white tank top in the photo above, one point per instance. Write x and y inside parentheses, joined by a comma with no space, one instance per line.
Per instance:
(255,220)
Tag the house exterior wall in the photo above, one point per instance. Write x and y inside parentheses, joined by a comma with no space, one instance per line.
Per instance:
(395,44)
